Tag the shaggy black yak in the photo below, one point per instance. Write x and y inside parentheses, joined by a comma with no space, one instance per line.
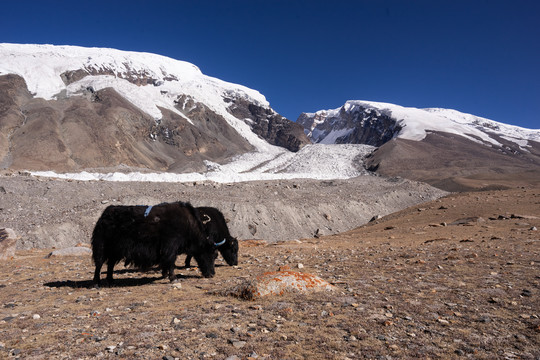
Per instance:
(145,236)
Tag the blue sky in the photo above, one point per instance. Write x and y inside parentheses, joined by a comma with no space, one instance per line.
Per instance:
(477,56)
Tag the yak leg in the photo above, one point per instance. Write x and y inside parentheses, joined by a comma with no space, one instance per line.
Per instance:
(172,276)
(164,272)
(187,264)
(110,268)
(167,269)
(97,274)
(206,264)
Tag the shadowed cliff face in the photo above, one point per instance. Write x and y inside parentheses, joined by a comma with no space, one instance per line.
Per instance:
(12,94)
(357,126)
(269,125)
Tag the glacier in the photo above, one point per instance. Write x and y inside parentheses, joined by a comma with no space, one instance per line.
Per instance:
(317,161)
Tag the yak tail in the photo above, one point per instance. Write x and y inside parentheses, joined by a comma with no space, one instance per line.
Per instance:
(98,241)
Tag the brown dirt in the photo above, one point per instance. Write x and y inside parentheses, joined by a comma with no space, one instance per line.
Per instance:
(408,287)
(456,164)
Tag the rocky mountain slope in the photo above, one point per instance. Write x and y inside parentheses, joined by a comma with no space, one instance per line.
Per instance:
(68,108)
(445,148)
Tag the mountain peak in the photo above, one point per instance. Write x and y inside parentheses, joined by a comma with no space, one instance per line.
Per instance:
(338,125)
(49,71)
(140,109)
(445,148)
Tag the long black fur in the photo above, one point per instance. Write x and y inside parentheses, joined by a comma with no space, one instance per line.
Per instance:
(169,229)
(216,229)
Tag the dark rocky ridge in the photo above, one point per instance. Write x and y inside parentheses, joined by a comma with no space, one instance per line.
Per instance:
(370,126)
(139,78)
(269,125)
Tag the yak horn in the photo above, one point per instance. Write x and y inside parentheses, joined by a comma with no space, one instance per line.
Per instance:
(220,243)
(206,219)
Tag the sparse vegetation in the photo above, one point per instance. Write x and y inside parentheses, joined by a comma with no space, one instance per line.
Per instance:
(409,287)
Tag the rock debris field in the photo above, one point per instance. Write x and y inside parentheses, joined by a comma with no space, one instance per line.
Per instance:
(49,213)
(455,277)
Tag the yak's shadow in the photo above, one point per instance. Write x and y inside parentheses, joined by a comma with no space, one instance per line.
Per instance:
(183,267)
(118,282)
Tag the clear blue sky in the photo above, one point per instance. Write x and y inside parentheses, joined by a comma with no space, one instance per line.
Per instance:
(475,56)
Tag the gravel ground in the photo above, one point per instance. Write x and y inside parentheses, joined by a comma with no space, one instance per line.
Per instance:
(458,277)
(58,213)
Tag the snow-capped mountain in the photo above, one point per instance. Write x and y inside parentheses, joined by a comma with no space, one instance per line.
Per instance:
(103,111)
(439,146)
(376,123)
(70,108)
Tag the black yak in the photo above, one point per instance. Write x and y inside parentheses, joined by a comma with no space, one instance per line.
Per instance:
(146,236)
(216,229)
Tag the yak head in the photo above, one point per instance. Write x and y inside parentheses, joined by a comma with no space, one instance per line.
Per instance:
(227,245)
(228,248)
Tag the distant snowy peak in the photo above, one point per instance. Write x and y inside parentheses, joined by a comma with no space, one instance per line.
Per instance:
(350,124)
(504,130)
(375,123)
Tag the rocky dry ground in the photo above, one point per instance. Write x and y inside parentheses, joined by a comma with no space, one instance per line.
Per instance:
(410,285)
